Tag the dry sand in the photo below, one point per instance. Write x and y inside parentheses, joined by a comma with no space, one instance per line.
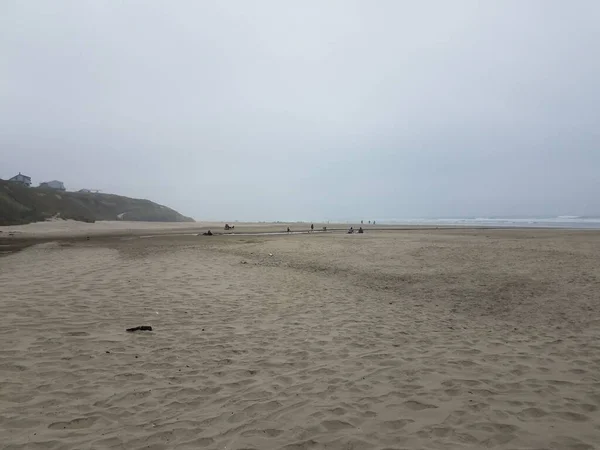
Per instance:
(388,340)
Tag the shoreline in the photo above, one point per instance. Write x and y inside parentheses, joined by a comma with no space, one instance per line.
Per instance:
(15,241)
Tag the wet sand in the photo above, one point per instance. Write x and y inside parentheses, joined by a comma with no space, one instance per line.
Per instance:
(387,340)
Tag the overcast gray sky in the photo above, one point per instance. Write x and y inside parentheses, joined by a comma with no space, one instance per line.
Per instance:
(320,109)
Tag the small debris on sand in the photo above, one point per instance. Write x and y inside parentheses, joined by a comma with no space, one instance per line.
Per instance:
(142,328)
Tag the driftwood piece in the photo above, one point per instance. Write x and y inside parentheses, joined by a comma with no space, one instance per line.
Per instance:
(142,328)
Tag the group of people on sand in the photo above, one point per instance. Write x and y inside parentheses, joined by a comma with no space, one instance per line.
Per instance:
(312,229)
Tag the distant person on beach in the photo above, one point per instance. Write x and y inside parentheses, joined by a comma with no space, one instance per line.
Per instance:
(351,230)
(312,227)
(360,230)
(288,229)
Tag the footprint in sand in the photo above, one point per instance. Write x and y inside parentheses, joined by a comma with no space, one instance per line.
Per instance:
(572,416)
(493,427)
(81,422)
(303,445)
(130,377)
(397,424)
(336,425)
(588,408)
(418,406)
(532,413)
(269,432)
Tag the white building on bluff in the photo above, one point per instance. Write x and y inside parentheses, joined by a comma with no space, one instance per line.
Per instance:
(54,184)
(21,179)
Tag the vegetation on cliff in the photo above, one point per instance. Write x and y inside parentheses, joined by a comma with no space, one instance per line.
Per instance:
(20,205)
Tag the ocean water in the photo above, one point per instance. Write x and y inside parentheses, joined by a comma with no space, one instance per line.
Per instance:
(572,222)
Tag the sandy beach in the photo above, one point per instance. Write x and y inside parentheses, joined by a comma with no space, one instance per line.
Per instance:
(419,339)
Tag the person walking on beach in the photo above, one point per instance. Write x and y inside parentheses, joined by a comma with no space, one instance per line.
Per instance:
(312,227)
